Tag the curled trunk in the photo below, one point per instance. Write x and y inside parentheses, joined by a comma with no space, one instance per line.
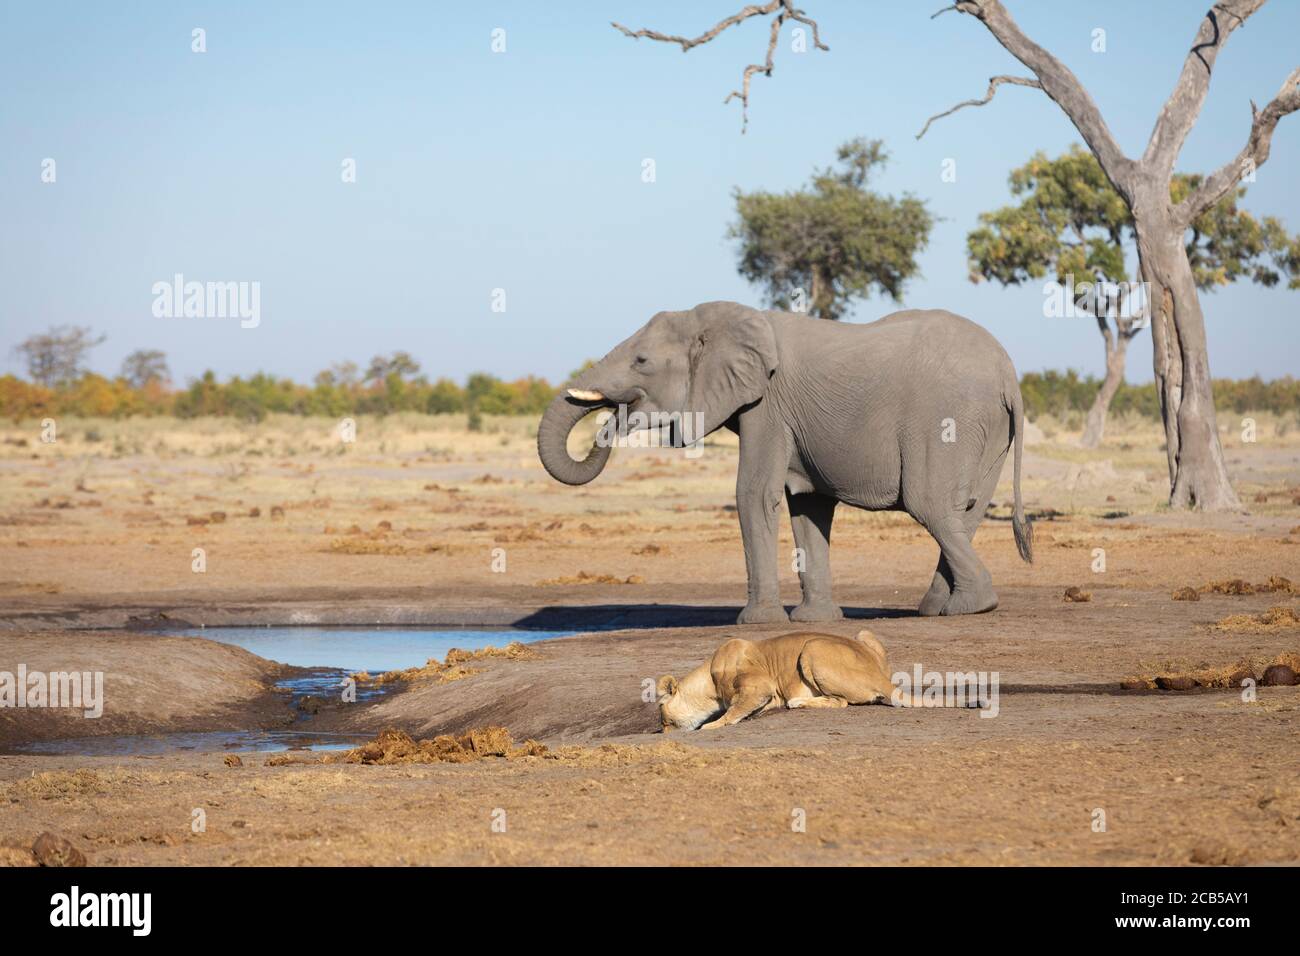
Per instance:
(553,439)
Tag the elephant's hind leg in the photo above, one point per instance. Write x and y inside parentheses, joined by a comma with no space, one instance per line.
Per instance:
(972,590)
(943,583)
(940,590)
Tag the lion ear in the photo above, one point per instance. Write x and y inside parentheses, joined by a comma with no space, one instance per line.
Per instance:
(872,643)
(667,686)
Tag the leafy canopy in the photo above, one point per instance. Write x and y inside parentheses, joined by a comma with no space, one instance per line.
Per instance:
(1071,221)
(832,241)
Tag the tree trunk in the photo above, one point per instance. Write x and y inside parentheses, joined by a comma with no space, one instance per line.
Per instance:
(1116,351)
(823,295)
(1198,477)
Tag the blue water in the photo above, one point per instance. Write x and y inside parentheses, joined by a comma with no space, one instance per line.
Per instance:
(330,654)
(216,741)
(354,649)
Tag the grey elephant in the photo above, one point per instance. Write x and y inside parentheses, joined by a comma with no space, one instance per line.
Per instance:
(915,412)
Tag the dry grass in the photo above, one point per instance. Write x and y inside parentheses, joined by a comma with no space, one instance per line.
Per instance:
(1276,584)
(1179,675)
(382,546)
(453,667)
(113,527)
(398,747)
(586,577)
(75,784)
(1277,618)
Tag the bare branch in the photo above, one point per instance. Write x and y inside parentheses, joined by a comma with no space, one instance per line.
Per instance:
(707,35)
(1058,82)
(1107,336)
(765,68)
(994,83)
(784,9)
(800,16)
(1181,110)
(1253,155)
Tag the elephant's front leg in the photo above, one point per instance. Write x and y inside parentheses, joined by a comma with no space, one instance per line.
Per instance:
(759,491)
(810,517)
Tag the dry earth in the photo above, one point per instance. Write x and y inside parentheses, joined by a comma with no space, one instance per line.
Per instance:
(402,527)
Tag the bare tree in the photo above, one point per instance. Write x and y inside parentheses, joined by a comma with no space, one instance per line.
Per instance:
(1197,475)
(344,374)
(400,364)
(779,10)
(144,366)
(58,356)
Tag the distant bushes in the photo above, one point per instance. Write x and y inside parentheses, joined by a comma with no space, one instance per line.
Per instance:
(1059,394)
(1063,394)
(252,399)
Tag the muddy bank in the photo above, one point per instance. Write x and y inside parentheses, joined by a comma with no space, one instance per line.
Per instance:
(964,799)
(592,687)
(1056,680)
(1184,778)
(565,608)
(151,684)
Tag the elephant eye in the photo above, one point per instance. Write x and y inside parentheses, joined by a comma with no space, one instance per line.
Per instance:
(641,361)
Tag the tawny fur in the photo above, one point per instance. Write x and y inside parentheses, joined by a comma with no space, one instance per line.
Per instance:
(794,670)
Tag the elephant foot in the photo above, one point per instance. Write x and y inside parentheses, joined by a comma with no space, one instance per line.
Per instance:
(763,614)
(810,612)
(935,598)
(971,602)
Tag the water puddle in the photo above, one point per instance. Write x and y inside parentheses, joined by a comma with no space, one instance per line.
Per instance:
(227,741)
(327,655)
(373,650)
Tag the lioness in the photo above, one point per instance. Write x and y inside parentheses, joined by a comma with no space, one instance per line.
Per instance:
(793,670)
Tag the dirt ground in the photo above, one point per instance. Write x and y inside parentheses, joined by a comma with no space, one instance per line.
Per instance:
(422,522)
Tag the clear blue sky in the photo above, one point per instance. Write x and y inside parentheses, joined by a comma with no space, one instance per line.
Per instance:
(522,170)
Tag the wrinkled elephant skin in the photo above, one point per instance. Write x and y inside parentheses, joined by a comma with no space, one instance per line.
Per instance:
(916,412)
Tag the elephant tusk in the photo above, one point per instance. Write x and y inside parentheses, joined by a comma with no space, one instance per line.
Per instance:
(586,395)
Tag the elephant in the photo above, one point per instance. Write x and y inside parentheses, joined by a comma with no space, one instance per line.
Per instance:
(914,412)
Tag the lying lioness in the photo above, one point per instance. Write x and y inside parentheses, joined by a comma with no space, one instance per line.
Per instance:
(793,670)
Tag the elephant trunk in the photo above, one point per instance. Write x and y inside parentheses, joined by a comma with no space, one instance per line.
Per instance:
(553,437)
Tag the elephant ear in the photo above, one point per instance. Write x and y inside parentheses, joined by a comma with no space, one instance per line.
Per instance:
(733,355)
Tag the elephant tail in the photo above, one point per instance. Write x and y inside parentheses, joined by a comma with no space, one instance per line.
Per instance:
(1024,531)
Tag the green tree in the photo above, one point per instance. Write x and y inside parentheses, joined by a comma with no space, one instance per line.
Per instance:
(819,248)
(203,397)
(445,396)
(1071,223)
(488,395)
